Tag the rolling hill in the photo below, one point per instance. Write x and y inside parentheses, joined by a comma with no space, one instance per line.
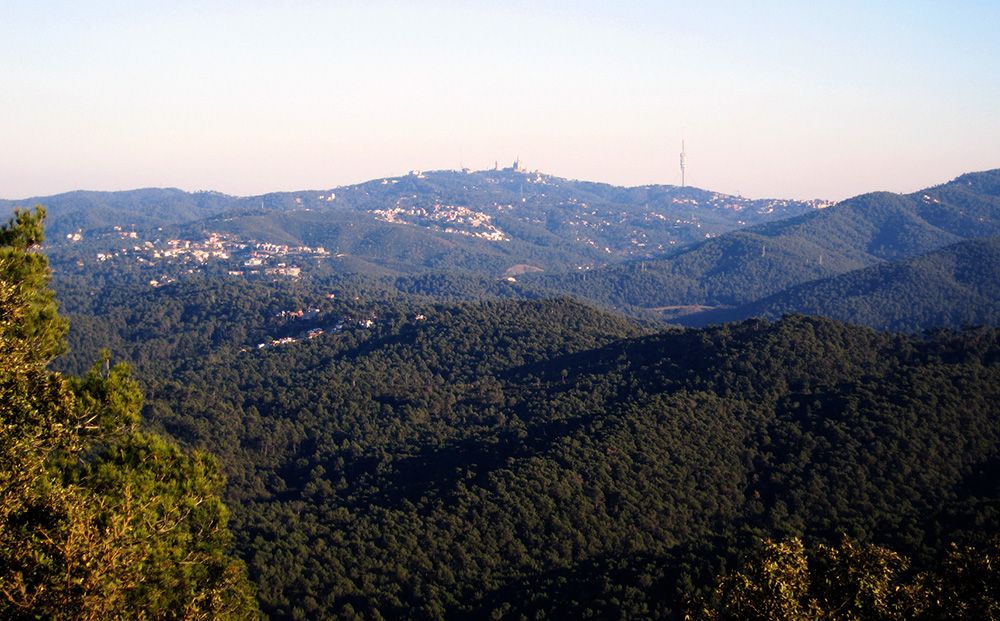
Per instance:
(486,221)
(952,287)
(750,264)
(84,211)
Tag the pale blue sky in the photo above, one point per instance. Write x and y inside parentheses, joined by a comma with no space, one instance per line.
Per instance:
(796,99)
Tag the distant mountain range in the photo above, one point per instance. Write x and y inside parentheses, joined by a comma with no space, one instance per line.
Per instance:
(676,253)
(487,221)
(756,268)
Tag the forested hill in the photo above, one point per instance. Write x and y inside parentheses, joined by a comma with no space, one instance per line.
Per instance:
(83,210)
(543,458)
(513,234)
(494,222)
(750,264)
(956,286)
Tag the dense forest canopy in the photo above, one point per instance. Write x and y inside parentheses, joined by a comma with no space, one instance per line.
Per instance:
(542,457)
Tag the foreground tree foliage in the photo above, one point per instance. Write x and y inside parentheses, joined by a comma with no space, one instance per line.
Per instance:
(855,581)
(98,520)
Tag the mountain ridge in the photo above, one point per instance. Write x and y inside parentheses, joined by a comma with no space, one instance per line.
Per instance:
(654,251)
(950,287)
(754,262)
(485,221)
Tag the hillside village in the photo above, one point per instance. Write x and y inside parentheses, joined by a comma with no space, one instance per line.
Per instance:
(241,257)
(444,218)
(318,323)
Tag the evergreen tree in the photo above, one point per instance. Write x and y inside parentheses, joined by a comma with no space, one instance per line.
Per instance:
(98,519)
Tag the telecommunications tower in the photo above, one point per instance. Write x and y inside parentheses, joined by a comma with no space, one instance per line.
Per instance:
(684,162)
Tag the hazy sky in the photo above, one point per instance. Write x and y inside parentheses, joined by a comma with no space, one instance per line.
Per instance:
(796,99)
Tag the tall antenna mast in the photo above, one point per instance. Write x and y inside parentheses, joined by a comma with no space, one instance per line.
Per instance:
(684,161)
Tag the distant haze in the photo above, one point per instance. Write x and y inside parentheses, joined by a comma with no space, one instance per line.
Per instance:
(773,99)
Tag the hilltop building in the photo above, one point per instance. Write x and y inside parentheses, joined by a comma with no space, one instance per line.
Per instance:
(517,166)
